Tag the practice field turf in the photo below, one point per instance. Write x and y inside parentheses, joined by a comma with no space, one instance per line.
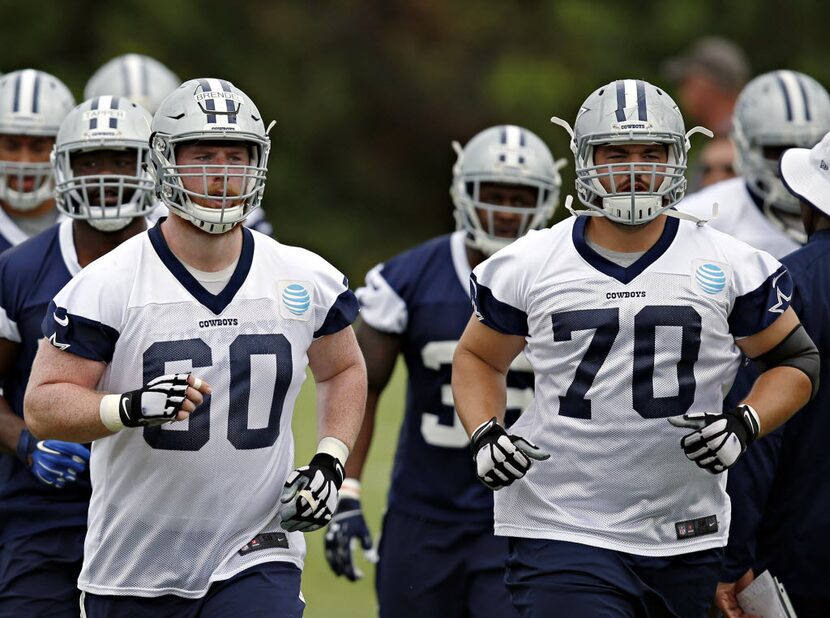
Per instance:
(325,594)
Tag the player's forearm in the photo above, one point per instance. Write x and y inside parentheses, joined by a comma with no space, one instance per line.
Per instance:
(10,427)
(778,393)
(360,451)
(341,401)
(64,411)
(479,389)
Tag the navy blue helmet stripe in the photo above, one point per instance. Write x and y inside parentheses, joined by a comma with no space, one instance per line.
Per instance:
(36,95)
(114,120)
(620,100)
(503,135)
(522,140)
(93,122)
(229,104)
(806,99)
(787,101)
(209,104)
(641,100)
(16,103)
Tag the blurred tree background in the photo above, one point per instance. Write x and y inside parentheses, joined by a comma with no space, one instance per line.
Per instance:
(368,94)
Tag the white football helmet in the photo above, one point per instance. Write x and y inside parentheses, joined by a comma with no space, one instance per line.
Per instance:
(777,110)
(629,111)
(31,103)
(104,123)
(213,110)
(139,78)
(504,154)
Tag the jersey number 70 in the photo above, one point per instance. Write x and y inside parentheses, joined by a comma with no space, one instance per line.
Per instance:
(606,325)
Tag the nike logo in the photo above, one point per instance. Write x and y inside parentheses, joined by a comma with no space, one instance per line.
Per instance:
(124,412)
(63,322)
(179,117)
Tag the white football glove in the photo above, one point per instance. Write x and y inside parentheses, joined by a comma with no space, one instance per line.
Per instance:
(310,496)
(720,438)
(156,403)
(501,458)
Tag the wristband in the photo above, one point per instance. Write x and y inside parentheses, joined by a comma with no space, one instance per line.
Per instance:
(110,415)
(350,489)
(334,447)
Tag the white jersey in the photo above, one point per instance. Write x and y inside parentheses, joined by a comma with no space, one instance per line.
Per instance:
(174,507)
(738,216)
(615,351)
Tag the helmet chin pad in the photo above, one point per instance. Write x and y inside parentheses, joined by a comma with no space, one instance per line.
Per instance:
(632,210)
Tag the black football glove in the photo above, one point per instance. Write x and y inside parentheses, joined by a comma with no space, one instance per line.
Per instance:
(346,531)
(156,403)
(719,439)
(501,458)
(310,496)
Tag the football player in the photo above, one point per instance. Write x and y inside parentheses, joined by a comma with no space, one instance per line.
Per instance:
(146,81)
(202,321)
(775,111)
(438,555)
(32,106)
(633,321)
(780,489)
(100,152)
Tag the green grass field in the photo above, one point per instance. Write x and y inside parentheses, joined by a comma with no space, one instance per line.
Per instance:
(325,594)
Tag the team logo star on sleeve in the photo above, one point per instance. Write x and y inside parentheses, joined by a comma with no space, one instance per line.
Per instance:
(781,297)
(61,346)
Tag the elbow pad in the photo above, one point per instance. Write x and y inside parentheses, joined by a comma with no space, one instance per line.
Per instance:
(796,350)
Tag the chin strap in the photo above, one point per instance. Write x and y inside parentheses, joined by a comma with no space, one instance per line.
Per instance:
(678,214)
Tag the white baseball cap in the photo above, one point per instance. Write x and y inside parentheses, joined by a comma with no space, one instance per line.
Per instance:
(806,174)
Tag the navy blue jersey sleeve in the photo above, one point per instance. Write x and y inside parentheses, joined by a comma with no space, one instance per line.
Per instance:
(342,313)
(79,335)
(494,313)
(755,310)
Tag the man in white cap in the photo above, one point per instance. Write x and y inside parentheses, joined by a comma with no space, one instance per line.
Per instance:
(779,489)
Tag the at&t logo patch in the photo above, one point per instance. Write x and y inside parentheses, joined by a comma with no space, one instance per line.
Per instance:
(295,300)
(710,277)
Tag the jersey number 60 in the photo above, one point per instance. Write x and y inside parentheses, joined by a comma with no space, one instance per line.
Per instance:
(199,353)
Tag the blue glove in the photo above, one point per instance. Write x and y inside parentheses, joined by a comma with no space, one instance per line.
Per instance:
(346,530)
(53,462)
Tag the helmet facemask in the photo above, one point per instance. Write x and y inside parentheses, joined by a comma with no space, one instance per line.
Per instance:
(637,191)
(479,218)
(108,202)
(15,174)
(186,188)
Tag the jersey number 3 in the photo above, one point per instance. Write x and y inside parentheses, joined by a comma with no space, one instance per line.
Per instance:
(606,324)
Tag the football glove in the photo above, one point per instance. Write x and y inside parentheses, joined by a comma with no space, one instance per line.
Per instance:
(718,439)
(156,403)
(346,530)
(53,462)
(310,496)
(501,458)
